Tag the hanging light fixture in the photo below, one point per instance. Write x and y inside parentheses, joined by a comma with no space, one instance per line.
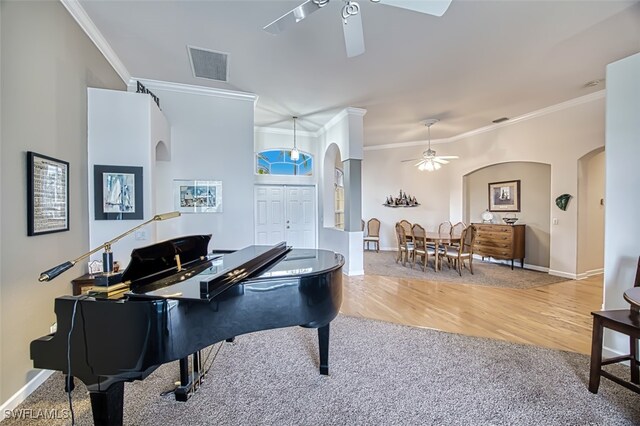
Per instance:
(295,154)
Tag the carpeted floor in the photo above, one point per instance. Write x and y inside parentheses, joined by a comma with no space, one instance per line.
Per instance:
(484,273)
(380,374)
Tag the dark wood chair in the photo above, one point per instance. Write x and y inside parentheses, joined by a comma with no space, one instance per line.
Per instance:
(625,321)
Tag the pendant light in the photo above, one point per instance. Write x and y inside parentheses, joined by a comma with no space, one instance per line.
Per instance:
(295,154)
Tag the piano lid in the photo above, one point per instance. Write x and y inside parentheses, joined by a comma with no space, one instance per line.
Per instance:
(161,257)
(208,280)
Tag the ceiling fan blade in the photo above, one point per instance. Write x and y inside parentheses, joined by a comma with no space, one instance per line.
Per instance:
(440,160)
(292,17)
(353,35)
(411,159)
(419,162)
(430,7)
(448,157)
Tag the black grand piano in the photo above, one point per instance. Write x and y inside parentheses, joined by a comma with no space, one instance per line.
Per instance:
(182,299)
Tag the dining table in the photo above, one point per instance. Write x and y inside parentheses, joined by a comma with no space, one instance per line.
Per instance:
(441,239)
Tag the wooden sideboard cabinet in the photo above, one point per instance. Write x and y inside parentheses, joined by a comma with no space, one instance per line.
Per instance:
(500,241)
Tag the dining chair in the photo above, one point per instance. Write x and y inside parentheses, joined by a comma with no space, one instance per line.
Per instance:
(445,228)
(625,321)
(372,234)
(421,248)
(456,229)
(405,247)
(407,227)
(464,251)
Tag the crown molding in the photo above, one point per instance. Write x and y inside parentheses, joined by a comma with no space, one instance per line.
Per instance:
(528,116)
(406,144)
(339,116)
(80,15)
(534,114)
(191,89)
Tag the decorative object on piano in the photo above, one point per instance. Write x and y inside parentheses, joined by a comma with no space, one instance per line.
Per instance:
(95,267)
(563,201)
(47,194)
(117,192)
(403,200)
(197,196)
(487,216)
(510,219)
(504,196)
(107,277)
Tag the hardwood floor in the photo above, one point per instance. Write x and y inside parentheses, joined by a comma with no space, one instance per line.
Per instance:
(555,316)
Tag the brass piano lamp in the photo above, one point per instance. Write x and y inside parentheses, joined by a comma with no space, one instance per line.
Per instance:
(107,256)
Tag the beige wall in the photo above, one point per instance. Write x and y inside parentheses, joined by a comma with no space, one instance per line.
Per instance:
(535,187)
(47,64)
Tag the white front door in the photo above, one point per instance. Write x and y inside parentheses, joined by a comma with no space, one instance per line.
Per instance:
(285,213)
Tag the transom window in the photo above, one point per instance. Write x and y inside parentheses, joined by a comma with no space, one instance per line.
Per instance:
(279,162)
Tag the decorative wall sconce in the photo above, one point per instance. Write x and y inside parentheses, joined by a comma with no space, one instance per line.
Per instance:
(562,201)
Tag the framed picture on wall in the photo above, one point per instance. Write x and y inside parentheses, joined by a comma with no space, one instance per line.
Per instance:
(47,194)
(197,196)
(504,196)
(118,192)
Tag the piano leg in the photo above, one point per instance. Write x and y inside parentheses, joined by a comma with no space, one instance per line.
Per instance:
(190,381)
(323,344)
(107,405)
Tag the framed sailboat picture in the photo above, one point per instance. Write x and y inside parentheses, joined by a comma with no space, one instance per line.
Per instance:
(197,196)
(118,192)
(504,196)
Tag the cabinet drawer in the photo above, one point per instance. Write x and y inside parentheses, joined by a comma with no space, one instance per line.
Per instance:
(489,244)
(496,252)
(495,228)
(493,236)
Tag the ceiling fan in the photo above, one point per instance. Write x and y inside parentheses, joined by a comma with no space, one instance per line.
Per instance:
(352,19)
(430,161)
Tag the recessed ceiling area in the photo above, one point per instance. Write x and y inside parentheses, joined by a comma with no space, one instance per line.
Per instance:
(479,61)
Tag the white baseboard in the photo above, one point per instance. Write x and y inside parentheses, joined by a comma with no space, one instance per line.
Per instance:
(353,273)
(562,274)
(24,392)
(593,272)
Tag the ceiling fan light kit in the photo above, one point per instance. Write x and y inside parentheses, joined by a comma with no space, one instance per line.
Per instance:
(352,18)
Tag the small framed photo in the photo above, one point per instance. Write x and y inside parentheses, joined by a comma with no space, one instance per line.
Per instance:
(197,196)
(118,192)
(504,196)
(47,194)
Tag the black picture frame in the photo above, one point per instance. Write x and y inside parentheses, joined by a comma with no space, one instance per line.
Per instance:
(47,194)
(504,196)
(118,192)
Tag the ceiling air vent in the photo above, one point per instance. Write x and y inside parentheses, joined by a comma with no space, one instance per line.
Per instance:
(208,63)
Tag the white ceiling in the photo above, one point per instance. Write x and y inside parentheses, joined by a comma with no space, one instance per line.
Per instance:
(480,61)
